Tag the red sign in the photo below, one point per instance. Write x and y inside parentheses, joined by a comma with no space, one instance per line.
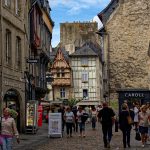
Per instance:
(40,109)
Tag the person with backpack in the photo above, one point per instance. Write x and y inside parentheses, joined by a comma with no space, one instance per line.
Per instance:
(81,121)
(106,116)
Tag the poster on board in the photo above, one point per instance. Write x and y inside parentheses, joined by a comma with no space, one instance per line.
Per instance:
(55,125)
(31,116)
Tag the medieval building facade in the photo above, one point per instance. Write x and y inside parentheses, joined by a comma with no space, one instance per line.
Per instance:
(13,49)
(62,74)
(126,48)
(86,66)
(25,39)
(73,37)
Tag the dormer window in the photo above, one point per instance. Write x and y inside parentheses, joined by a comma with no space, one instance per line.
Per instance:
(60,73)
(84,61)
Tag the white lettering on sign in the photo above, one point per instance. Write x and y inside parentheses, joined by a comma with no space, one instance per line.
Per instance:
(134,94)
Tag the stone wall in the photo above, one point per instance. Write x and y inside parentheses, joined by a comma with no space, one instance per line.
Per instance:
(128,31)
(77,33)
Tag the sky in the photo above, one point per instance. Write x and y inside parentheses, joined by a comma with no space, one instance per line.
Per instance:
(74,10)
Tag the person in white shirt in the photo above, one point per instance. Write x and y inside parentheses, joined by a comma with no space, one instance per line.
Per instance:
(69,119)
(136,115)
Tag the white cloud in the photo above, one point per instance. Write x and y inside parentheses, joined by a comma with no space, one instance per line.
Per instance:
(74,6)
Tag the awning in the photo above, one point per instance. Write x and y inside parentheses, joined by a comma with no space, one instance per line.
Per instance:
(94,103)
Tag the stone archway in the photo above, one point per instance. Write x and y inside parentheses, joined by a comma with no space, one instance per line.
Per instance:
(12,100)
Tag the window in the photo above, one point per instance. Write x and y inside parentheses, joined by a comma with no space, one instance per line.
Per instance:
(58,74)
(84,77)
(84,61)
(62,92)
(18,52)
(7,3)
(8,47)
(85,93)
(17,7)
(62,73)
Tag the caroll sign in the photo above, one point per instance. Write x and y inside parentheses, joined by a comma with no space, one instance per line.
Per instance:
(134,94)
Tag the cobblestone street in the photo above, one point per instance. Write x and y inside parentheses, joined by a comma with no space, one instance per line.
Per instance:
(92,141)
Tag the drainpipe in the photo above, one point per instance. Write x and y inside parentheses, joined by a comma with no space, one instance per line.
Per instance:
(106,35)
(1,45)
(108,66)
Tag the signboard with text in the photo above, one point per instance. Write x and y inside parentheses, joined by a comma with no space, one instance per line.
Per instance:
(31,116)
(32,60)
(55,125)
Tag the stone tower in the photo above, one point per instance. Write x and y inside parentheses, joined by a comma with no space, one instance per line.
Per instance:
(75,34)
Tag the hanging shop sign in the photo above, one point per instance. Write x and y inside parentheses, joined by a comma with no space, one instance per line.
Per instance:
(32,60)
(128,95)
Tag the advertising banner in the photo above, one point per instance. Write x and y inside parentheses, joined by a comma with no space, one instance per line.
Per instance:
(31,116)
(55,125)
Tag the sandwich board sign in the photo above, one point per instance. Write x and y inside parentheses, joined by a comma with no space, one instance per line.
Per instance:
(55,125)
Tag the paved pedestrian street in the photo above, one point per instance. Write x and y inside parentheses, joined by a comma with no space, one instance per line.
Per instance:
(92,141)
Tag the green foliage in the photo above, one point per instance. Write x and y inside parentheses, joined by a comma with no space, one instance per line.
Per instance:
(114,104)
(13,113)
(72,101)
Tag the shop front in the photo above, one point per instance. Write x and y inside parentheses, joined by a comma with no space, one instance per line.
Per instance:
(133,95)
(12,101)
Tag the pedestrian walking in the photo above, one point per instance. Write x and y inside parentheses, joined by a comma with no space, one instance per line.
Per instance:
(75,125)
(81,122)
(69,119)
(62,111)
(87,110)
(125,127)
(8,130)
(136,115)
(143,124)
(106,116)
(148,111)
(93,117)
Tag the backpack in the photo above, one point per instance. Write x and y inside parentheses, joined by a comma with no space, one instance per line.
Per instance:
(84,117)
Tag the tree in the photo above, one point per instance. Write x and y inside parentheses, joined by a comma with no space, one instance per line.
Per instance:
(72,102)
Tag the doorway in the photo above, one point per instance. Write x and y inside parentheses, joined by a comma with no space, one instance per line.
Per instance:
(12,101)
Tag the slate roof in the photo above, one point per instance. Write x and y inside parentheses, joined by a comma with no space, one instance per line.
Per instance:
(54,52)
(105,13)
(84,51)
(88,49)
